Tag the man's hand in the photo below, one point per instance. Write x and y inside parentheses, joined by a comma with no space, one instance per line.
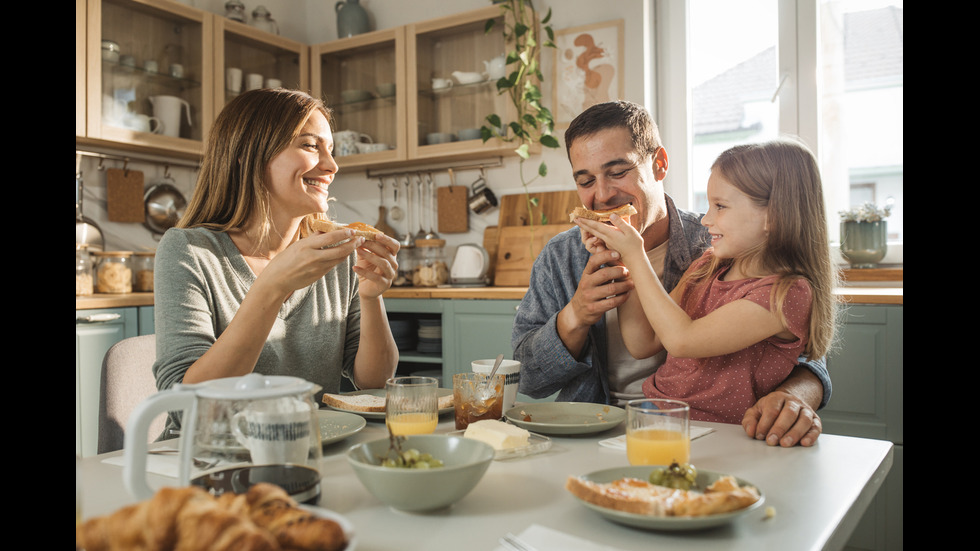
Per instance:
(782,419)
(601,288)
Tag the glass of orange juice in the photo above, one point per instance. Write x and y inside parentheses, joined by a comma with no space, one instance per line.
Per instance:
(658,432)
(411,405)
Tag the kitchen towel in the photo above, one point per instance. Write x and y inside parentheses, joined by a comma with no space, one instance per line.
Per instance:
(619,442)
(546,539)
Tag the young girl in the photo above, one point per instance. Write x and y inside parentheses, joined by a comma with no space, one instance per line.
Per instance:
(737,322)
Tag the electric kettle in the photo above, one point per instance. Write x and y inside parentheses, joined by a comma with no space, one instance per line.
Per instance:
(470,266)
(236,432)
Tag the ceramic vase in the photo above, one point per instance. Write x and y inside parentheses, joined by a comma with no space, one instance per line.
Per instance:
(352,18)
(864,244)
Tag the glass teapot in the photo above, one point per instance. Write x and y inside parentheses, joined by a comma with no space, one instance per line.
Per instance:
(235,432)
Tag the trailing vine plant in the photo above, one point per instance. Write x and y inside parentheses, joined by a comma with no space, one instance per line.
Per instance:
(534,122)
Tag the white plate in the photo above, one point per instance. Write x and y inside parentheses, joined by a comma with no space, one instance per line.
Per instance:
(705,478)
(345,524)
(536,443)
(337,425)
(380,415)
(565,417)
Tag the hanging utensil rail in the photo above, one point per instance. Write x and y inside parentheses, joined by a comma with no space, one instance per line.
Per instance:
(436,168)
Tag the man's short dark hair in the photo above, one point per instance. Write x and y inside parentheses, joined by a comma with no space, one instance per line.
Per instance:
(616,114)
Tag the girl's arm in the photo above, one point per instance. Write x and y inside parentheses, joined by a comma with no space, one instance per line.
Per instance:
(728,329)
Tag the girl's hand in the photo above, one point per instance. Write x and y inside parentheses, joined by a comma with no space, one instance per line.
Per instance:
(622,237)
(376,266)
(592,243)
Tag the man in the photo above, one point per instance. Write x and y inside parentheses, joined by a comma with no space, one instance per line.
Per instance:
(566,333)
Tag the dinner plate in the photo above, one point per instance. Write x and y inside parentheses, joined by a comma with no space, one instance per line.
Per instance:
(565,417)
(705,478)
(536,443)
(337,425)
(380,415)
(345,524)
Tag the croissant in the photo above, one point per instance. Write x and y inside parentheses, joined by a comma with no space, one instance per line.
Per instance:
(174,518)
(190,519)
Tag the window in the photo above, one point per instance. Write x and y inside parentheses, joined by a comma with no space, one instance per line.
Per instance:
(828,71)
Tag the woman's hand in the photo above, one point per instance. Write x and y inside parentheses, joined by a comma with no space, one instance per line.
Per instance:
(376,266)
(307,260)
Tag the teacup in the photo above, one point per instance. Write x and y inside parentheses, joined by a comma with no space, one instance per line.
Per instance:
(438,137)
(274,431)
(371,147)
(142,123)
(470,134)
(442,83)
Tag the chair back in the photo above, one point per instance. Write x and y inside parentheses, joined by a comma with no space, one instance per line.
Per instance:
(127,380)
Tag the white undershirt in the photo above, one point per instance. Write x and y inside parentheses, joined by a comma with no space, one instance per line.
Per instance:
(626,373)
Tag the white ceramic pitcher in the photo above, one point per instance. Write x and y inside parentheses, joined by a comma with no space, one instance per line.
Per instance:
(167,109)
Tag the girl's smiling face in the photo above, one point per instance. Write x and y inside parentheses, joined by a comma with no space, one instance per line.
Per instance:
(299,176)
(736,223)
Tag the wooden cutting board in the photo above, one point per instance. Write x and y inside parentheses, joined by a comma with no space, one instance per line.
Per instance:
(453,209)
(517,247)
(124,195)
(554,204)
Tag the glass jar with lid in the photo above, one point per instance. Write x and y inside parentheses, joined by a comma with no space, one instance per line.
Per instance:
(431,269)
(83,271)
(114,272)
(143,272)
(406,267)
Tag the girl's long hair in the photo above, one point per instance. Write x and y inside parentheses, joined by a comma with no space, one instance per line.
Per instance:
(249,132)
(783,177)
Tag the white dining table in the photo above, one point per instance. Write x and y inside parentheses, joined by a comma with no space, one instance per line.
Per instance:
(818,495)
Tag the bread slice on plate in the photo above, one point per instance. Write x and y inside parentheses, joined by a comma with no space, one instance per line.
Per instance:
(632,495)
(370,403)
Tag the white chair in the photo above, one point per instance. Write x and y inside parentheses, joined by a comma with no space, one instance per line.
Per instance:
(127,380)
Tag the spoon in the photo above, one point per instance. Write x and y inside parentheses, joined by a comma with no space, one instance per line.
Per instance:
(485,388)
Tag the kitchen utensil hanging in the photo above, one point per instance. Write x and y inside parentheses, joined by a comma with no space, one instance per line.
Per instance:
(421,234)
(87,232)
(165,205)
(382,223)
(431,198)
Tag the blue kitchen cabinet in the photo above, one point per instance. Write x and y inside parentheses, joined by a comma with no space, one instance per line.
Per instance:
(96,331)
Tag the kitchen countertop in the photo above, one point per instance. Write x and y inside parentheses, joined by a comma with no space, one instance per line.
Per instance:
(876,286)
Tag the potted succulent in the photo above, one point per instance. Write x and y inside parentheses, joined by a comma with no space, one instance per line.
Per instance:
(533,123)
(864,234)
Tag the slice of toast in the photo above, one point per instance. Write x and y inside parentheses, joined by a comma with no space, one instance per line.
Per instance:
(632,495)
(360,229)
(371,403)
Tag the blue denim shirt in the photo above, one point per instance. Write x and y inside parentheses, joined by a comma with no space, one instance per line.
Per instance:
(546,365)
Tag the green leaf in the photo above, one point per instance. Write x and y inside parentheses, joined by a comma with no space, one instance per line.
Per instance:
(529,119)
(485,133)
(549,141)
(547,17)
(494,120)
(544,219)
(534,201)
(489,26)
(551,37)
(522,151)
(520,29)
(542,170)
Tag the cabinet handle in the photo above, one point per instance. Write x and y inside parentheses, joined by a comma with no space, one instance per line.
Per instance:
(97,318)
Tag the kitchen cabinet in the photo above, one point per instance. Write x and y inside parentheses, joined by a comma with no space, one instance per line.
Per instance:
(96,330)
(417,121)
(867,401)
(247,51)
(159,64)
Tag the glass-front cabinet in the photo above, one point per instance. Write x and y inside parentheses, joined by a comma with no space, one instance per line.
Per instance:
(248,58)
(362,80)
(451,62)
(149,66)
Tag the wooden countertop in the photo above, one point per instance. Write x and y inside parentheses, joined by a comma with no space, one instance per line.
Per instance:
(876,286)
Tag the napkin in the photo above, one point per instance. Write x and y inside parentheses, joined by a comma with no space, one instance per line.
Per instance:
(162,464)
(546,539)
(619,442)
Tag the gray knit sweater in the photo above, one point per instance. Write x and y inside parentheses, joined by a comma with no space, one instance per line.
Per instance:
(200,281)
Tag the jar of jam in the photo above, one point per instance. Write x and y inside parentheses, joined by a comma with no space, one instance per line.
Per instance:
(143,272)
(430,269)
(114,272)
(83,271)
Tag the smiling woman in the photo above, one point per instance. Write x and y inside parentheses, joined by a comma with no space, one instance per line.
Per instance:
(243,283)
